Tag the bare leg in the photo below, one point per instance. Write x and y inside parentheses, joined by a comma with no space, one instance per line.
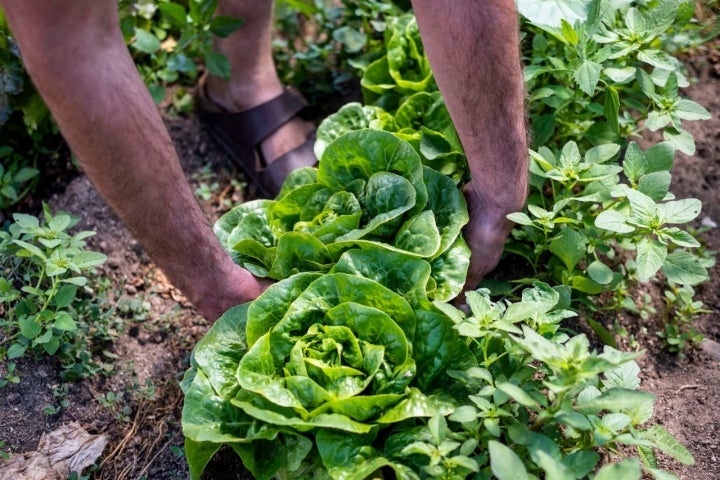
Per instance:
(76,57)
(253,79)
(474,51)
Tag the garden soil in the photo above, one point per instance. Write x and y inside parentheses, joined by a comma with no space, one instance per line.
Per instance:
(142,417)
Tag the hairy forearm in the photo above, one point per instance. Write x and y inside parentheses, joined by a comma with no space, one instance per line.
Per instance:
(104,111)
(474,52)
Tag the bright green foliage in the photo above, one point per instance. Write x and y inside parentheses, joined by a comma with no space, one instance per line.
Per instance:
(320,40)
(369,191)
(601,214)
(322,373)
(422,120)
(169,39)
(279,380)
(26,130)
(44,272)
(546,394)
(402,68)
(315,358)
(595,77)
(15,178)
(682,308)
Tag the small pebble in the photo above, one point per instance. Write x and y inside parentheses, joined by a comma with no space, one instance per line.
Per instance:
(712,348)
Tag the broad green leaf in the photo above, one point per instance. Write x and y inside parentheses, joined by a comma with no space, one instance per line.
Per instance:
(570,247)
(31,249)
(269,308)
(613,221)
(65,295)
(349,456)
(620,75)
(253,216)
(358,155)
(198,454)
(689,110)
(655,185)
(217,64)
(449,270)
(644,207)
(553,467)
(679,237)
(611,108)
(680,139)
(437,347)
(145,41)
(520,218)
(552,12)
(635,164)
(29,328)
(679,211)
(581,462)
(218,353)
(660,157)
(351,117)
(568,33)
(401,273)
(222,25)
(664,441)
(299,252)
(601,153)
(626,376)
(448,205)
(616,400)
(650,257)
(351,39)
(419,235)
(505,464)
(174,13)
(587,76)
(16,350)
(88,259)
(684,268)
(657,58)
(625,470)
(207,417)
(517,394)
(635,21)
(63,321)
(600,272)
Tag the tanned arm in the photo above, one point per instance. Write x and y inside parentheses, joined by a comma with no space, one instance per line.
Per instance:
(75,54)
(473,48)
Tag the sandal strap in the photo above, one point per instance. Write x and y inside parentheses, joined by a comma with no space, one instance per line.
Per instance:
(273,175)
(256,124)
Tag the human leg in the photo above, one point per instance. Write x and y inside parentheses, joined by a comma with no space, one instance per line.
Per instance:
(76,56)
(473,48)
(254,79)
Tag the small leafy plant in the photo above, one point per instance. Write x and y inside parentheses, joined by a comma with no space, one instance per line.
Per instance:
(44,268)
(169,39)
(370,191)
(16,178)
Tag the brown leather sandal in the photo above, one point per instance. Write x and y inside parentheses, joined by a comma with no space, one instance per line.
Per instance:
(241,134)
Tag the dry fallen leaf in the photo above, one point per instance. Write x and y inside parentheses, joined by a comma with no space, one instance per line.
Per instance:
(68,449)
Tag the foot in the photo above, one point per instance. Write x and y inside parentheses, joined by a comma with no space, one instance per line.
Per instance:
(231,98)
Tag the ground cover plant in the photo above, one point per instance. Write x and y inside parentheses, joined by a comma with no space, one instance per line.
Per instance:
(490,413)
(46,296)
(535,387)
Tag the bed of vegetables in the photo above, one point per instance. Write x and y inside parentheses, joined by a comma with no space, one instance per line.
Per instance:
(354,364)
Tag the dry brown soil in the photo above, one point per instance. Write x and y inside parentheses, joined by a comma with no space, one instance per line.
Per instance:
(146,442)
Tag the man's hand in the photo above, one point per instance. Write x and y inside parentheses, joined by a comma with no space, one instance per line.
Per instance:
(232,286)
(485,234)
